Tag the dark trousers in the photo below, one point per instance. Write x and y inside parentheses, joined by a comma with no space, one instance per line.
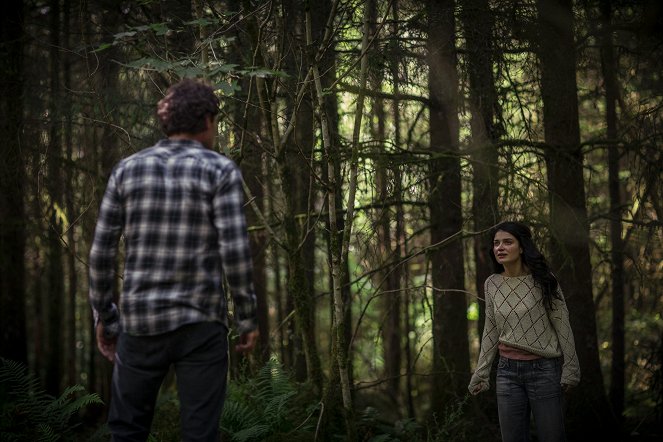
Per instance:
(199,353)
(530,387)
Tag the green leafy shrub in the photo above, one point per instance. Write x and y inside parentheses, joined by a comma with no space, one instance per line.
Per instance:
(28,413)
(269,407)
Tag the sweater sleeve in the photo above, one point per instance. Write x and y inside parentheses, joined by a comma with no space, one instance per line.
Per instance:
(559,318)
(489,341)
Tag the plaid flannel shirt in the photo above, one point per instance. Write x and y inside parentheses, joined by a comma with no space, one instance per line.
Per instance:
(179,207)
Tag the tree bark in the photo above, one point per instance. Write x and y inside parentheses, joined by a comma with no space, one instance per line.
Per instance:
(387,281)
(451,347)
(104,153)
(299,146)
(589,408)
(322,32)
(249,154)
(609,67)
(55,266)
(13,334)
(339,237)
(395,331)
(72,274)
(478,25)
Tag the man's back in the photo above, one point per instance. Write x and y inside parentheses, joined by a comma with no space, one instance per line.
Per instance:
(171,201)
(179,206)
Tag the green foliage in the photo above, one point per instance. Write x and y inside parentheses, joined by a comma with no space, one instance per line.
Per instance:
(374,429)
(28,413)
(644,356)
(166,423)
(185,68)
(268,407)
(451,426)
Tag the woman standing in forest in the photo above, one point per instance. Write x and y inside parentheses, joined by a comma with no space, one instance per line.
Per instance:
(527,322)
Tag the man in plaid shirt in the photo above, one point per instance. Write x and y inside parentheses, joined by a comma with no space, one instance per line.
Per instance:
(179,207)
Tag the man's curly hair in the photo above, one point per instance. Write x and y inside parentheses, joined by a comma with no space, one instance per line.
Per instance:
(185,106)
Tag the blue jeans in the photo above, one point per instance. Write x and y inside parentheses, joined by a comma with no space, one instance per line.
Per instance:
(525,387)
(199,353)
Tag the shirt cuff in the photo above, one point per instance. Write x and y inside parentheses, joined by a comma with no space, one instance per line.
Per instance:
(246,325)
(110,321)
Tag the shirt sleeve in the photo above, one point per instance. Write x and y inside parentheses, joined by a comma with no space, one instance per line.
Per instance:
(559,318)
(102,260)
(489,341)
(236,259)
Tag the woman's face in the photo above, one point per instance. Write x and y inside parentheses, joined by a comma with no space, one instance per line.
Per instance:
(506,248)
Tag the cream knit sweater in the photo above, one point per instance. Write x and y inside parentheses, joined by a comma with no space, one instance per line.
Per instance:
(516,316)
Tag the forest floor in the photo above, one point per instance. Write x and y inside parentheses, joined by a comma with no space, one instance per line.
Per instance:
(644,432)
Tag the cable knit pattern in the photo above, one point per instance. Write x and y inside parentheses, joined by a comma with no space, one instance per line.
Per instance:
(516,316)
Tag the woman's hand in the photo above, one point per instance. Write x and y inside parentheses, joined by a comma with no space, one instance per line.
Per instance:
(478,388)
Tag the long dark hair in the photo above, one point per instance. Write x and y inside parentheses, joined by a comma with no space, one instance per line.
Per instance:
(532,258)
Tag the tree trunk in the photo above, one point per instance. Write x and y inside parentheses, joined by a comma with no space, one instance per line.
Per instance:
(297,285)
(395,329)
(299,148)
(451,347)
(259,242)
(249,121)
(478,26)
(70,209)
(387,280)
(104,155)
(13,337)
(609,67)
(55,266)
(322,32)
(588,407)
(339,237)
(253,174)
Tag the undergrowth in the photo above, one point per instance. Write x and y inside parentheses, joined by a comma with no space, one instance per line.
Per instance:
(28,413)
(269,407)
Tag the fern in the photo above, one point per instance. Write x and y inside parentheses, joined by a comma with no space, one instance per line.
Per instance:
(254,433)
(265,407)
(46,434)
(238,415)
(28,413)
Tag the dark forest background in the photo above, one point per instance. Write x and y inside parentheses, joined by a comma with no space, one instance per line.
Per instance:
(379,141)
